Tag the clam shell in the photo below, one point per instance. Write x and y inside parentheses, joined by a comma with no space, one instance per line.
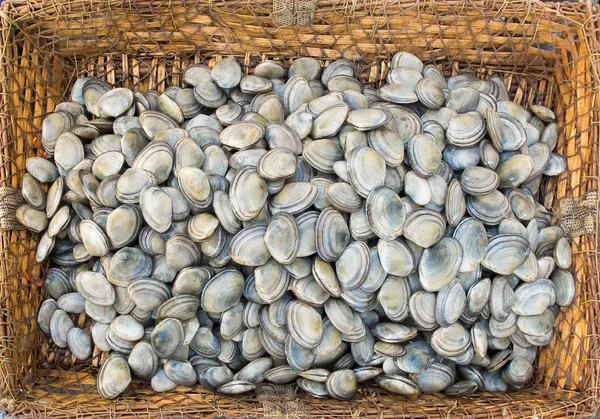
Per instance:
(248,194)
(506,252)
(195,187)
(271,280)
(223,291)
(366,170)
(501,298)
(114,376)
(94,287)
(322,154)
(166,337)
(131,183)
(456,205)
(490,209)
(342,197)
(472,236)
(33,193)
(479,180)
(451,302)
(452,340)
(439,264)
(332,235)
(424,155)
(394,296)
(60,324)
(424,227)
(422,310)
(153,122)
(282,237)
(353,265)
(534,297)
(397,384)
(148,294)
(430,93)
(31,218)
(248,247)
(385,213)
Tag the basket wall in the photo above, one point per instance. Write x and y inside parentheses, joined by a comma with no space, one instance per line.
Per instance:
(548,54)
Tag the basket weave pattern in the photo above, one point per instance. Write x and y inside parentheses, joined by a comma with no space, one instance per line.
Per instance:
(548,54)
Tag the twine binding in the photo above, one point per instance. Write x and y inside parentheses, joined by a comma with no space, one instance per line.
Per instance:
(10,200)
(578,215)
(280,402)
(295,12)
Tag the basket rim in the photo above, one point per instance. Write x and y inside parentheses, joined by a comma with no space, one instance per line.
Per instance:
(20,13)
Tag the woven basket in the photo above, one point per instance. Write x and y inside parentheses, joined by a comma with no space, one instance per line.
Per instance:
(548,54)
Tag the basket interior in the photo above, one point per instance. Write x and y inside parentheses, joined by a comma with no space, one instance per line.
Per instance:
(543,53)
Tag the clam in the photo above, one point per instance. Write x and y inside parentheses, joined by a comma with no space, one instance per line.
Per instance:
(342,197)
(518,372)
(465,130)
(332,235)
(282,237)
(33,193)
(366,170)
(434,379)
(180,372)
(166,337)
(352,266)
(60,324)
(45,314)
(397,384)
(394,296)
(451,302)
(461,388)
(515,170)
(430,93)
(424,227)
(223,291)
(393,332)
(459,158)
(564,287)
(114,376)
(385,213)
(479,180)
(452,340)
(534,297)
(329,122)
(501,298)
(472,236)
(127,265)
(31,218)
(505,253)
(248,194)
(456,205)
(148,294)
(248,247)
(439,264)
(322,154)
(41,169)
(424,155)
(271,281)
(143,361)
(95,288)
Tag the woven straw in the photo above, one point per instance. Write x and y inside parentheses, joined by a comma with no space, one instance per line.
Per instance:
(547,53)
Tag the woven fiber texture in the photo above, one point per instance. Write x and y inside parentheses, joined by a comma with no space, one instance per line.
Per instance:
(548,54)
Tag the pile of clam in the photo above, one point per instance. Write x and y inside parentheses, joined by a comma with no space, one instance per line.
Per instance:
(297,226)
